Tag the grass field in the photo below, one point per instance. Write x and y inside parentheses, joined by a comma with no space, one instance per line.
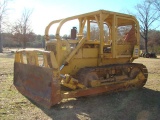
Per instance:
(141,104)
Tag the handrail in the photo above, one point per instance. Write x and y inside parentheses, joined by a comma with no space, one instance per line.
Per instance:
(48,27)
(74,17)
(62,21)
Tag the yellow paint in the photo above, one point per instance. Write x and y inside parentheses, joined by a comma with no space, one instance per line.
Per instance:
(84,51)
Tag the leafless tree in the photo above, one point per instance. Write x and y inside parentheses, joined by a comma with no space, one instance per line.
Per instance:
(154,41)
(95,33)
(157,4)
(22,29)
(3,14)
(147,15)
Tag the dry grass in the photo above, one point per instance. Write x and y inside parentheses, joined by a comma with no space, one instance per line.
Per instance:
(141,104)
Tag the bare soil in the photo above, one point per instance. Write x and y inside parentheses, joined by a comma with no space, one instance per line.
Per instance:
(142,104)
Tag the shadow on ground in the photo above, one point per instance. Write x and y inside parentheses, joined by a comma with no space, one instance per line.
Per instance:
(141,104)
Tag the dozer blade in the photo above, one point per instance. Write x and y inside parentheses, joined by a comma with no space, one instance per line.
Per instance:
(37,83)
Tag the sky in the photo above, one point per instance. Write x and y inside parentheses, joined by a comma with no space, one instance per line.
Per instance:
(45,11)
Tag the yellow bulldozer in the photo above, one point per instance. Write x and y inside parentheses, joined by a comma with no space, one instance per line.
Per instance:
(85,63)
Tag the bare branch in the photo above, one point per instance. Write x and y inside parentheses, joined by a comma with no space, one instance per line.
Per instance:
(3,14)
(147,14)
(22,29)
(157,4)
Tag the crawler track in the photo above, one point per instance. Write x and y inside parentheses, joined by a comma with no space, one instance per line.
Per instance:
(114,74)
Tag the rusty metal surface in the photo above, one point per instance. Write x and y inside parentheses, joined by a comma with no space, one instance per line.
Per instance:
(40,84)
(104,89)
(37,83)
(134,83)
(98,90)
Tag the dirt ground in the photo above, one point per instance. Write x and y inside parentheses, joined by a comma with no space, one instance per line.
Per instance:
(143,104)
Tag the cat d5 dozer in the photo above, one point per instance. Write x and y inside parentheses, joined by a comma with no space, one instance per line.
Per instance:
(97,57)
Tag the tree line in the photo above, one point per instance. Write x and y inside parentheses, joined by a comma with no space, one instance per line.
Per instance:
(21,34)
(14,41)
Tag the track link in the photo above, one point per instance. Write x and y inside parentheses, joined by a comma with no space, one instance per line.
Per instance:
(113,74)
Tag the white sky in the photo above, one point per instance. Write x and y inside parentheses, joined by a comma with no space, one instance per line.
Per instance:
(45,11)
